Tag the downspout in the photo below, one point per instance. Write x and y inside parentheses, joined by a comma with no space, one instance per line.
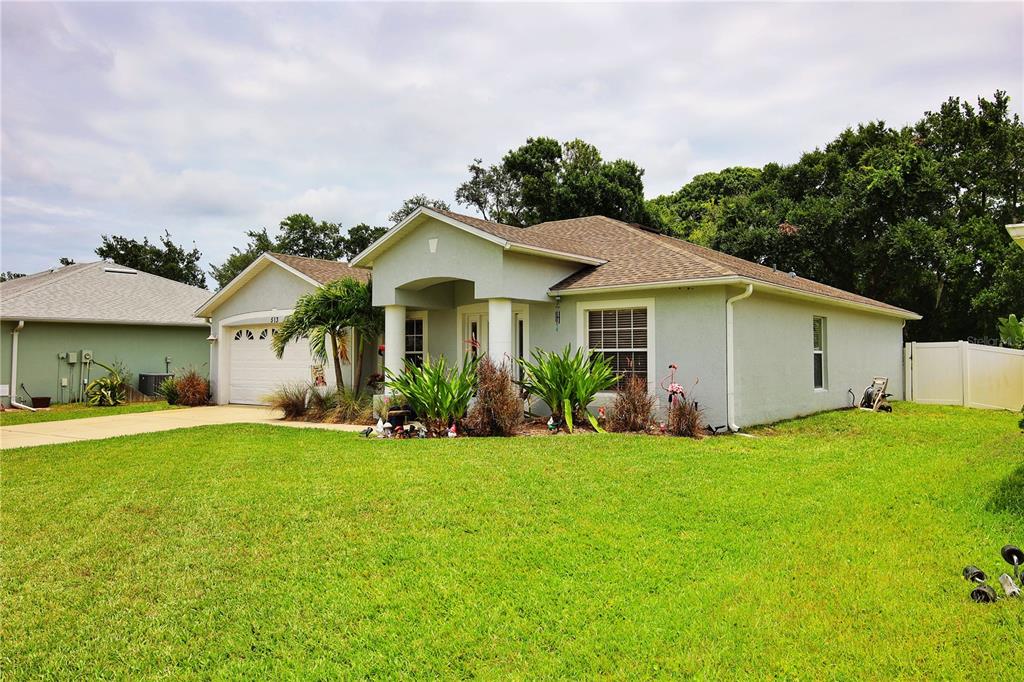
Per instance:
(13,389)
(730,359)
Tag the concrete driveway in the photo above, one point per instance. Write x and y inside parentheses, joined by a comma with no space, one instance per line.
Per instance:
(94,428)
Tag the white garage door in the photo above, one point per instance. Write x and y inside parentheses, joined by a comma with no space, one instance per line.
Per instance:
(256,371)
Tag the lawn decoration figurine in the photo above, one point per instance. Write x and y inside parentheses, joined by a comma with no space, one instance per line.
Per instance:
(676,392)
(983,592)
(1009,587)
(1015,557)
(452,433)
(973,574)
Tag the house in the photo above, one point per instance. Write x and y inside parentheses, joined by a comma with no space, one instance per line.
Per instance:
(244,316)
(1017,233)
(755,344)
(56,324)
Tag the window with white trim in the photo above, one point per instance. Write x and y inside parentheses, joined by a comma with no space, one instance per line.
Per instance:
(620,334)
(414,333)
(818,332)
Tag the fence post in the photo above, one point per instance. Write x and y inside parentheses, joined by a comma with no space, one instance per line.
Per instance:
(908,372)
(913,377)
(965,373)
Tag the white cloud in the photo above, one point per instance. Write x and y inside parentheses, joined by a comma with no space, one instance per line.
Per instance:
(210,119)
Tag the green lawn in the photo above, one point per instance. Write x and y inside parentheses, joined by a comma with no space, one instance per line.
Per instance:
(831,547)
(76,411)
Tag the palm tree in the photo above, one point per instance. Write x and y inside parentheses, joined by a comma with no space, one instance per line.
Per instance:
(325,315)
(364,318)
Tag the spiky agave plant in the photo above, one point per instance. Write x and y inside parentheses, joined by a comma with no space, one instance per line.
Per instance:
(438,392)
(567,382)
(107,391)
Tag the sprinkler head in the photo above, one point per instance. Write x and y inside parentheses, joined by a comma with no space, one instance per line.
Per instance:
(983,594)
(1014,556)
(973,574)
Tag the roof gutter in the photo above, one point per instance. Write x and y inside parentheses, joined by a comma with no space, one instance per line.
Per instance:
(551,253)
(13,389)
(730,359)
(742,281)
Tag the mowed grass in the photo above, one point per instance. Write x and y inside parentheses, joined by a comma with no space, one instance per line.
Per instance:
(830,547)
(77,411)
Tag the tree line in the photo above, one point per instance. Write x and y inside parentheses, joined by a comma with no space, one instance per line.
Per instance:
(913,216)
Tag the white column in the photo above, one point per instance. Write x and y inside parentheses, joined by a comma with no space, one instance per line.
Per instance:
(499,330)
(394,337)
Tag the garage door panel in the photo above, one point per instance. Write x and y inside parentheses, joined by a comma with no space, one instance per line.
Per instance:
(256,371)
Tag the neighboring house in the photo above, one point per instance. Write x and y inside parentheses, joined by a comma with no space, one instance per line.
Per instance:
(55,321)
(763,344)
(244,316)
(1017,233)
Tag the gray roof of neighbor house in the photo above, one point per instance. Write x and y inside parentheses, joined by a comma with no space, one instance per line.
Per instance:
(101,292)
(636,257)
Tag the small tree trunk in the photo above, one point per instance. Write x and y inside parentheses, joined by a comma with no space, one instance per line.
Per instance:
(357,379)
(338,380)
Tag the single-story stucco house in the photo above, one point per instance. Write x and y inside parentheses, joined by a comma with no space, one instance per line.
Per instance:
(244,316)
(57,322)
(756,344)
(1016,231)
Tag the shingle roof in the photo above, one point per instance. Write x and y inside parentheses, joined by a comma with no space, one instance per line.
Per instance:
(551,241)
(636,256)
(322,271)
(101,292)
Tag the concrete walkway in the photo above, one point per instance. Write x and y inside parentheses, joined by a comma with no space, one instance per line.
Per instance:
(94,428)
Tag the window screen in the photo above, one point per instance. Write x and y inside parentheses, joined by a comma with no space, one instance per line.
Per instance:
(620,335)
(818,332)
(414,341)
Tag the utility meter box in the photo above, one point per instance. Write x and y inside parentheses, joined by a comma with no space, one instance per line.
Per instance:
(86,356)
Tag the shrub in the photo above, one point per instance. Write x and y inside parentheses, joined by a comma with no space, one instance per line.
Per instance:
(193,389)
(351,407)
(292,399)
(633,409)
(168,390)
(498,410)
(567,382)
(338,407)
(107,391)
(685,417)
(439,394)
(319,404)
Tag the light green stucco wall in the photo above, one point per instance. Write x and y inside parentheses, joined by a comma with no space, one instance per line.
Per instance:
(273,287)
(270,293)
(689,330)
(774,364)
(772,333)
(491,270)
(140,348)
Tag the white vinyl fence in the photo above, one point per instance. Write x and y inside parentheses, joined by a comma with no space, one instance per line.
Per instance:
(961,373)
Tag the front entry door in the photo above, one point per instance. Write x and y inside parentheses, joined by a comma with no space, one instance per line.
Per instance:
(474,327)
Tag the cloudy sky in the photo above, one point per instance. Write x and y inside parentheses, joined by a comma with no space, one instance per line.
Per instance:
(211,119)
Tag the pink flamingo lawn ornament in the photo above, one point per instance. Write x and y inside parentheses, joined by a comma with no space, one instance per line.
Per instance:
(675,391)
